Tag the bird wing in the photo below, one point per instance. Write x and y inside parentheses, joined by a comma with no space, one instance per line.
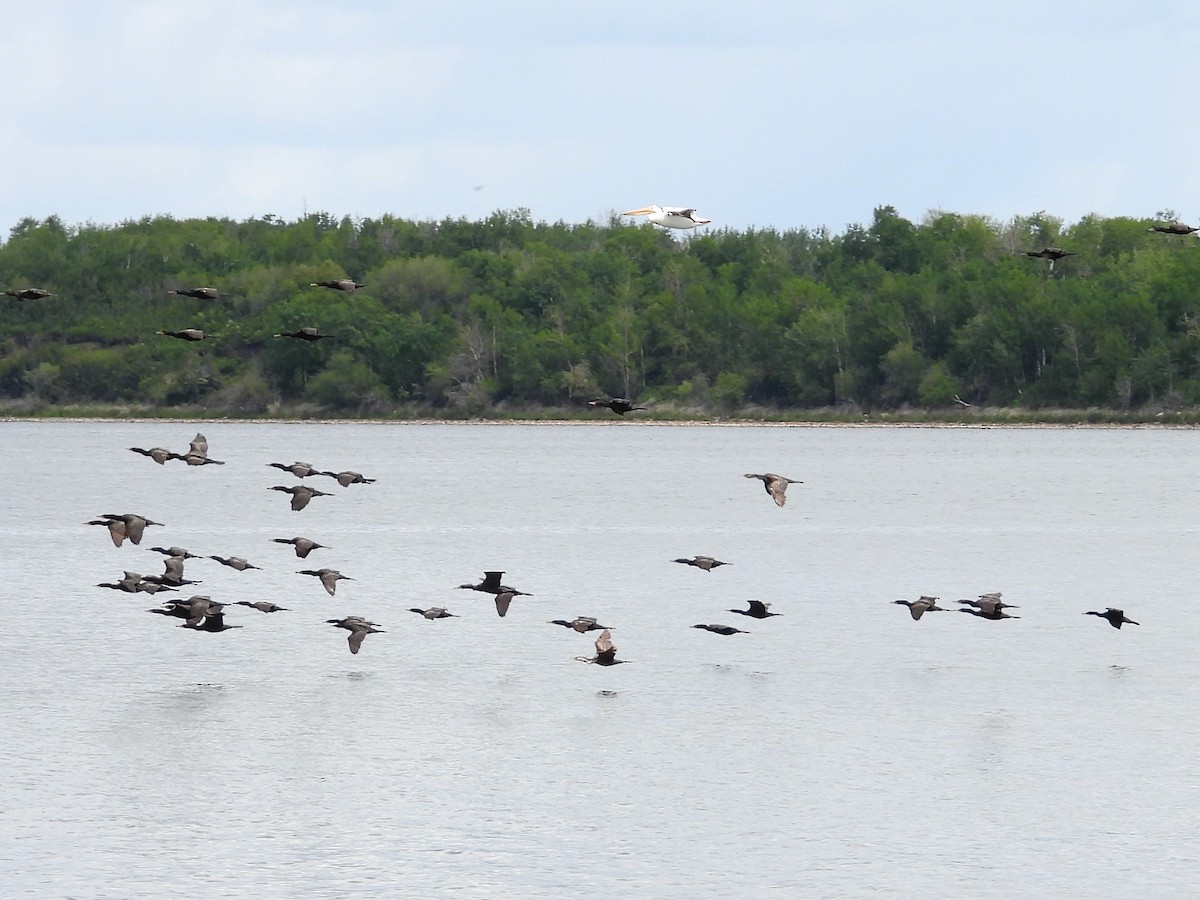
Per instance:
(777,488)
(199,445)
(604,644)
(329,579)
(300,499)
(503,599)
(491,581)
(356,638)
(134,527)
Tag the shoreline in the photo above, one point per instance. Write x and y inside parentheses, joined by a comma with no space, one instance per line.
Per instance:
(630,423)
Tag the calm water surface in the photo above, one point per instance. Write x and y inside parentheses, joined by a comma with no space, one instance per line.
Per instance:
(840,749)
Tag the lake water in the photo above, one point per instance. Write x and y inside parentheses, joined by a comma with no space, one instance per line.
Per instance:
(840,749)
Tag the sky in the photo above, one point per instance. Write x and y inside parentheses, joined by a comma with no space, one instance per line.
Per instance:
(775,114)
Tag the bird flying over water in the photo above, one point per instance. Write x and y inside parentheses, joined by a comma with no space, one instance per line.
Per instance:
(265,606)
(606,651)
(1115,617)
(721,629)
(582,624)
(159,454)
(757,610)
(989,603)
(681,217)
(234,562)
(128,525)
(358,627)
(776,486)
(329,578)
(434,612)
(707,563)
(302,545)
(919,607)
(491,585)
(345,479)
(299,469)
(300,494)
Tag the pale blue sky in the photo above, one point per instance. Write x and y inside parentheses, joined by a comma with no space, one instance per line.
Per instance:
(767,114)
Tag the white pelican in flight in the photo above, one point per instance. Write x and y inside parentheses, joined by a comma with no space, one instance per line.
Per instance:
(670,216)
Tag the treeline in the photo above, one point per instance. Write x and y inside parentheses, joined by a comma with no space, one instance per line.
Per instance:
(466,317)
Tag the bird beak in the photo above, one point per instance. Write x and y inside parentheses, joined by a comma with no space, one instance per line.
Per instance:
(644,211)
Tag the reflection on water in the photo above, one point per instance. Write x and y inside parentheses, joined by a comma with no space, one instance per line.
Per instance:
(145,761)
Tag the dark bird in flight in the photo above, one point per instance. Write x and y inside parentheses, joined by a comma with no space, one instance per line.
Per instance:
(619,405)
(214,622)
(133,583)
(1173,228)
(721,629)
(29,293)
(989,603)
(300,494)
(234,562)
(173,572)
(200,293)
(194,459)
(129,525)
(341,284)
(987,611)
(582,624)
(758,610)
(776,486)
(1054,254)
(197,454)
(175,551)
(358,627)
(307,333)
(434,612)
(262,606)
(606,652)
(1051,253)
(919,607)
(159,454)
(707,563)
(187,334)
(491,585)
(302,544)
(345,479)
(329,578)
(193,609)
(299,469)
(1115,617)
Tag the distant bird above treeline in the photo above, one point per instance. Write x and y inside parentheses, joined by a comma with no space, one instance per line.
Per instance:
(619,405)
(307,333)
(200,293)
(346,285)
(29,293)
(1173,228)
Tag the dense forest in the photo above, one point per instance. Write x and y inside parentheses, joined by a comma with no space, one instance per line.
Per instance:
(508,316)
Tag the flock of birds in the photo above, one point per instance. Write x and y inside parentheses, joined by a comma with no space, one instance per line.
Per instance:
(673,217)
(200,612)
